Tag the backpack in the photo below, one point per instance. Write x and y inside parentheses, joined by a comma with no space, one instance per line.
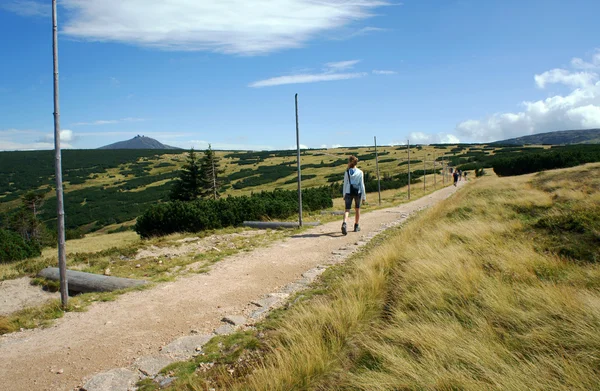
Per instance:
(354,189)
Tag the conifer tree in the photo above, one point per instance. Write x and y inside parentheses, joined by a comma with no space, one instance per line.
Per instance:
(189,185)
(210,174)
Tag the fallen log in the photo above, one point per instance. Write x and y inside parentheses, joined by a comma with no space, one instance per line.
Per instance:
(80,282)
(277,224)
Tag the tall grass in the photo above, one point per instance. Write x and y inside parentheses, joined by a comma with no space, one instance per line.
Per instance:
(469,296)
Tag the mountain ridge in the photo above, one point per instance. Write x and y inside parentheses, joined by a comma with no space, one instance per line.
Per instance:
(575,136)
(138,142)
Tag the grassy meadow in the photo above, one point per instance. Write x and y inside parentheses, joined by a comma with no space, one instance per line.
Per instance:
(496,288)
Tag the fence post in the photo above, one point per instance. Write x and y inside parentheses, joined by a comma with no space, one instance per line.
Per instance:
(408,149)
(299,166)
(377,168)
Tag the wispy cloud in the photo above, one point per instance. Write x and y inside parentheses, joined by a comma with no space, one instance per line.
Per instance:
(306,78)
(233,26)
(341,65)
(383,72)
(109,122)
(332,71)
(27,8)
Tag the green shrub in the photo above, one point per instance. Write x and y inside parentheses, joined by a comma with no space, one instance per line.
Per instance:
(14,248)
(205,214)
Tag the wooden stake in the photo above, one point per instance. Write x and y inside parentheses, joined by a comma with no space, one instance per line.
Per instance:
(299,167)
(408,149)
(377,167)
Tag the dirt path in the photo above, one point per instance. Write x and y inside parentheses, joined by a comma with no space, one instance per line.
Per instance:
(113,334)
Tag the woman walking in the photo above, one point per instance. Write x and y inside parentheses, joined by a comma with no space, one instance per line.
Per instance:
(354,189)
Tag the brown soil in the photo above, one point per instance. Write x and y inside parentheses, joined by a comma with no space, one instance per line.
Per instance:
(113,334)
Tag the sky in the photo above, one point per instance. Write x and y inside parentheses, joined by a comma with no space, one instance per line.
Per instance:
(193,72)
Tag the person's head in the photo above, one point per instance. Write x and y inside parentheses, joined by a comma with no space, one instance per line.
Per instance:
(352,161)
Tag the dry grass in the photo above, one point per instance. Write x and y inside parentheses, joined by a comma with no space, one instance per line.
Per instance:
(463,298)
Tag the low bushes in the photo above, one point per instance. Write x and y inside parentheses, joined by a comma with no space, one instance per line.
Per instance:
(203,214)
(14,248)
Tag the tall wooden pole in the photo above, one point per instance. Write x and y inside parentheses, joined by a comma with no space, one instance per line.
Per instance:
(299,167)
(214,175)
(62,258)
(377,168)
(424,169)
(408,149)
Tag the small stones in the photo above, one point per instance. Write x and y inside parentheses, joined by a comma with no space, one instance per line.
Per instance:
(120,379)
(151,365)
(236,320)
(266,302)
(185,347)
(226,329)
(259,313)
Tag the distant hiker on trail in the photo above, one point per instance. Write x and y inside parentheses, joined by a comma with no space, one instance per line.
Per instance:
(455,175)
(354,189)
(465,175)
(459,175)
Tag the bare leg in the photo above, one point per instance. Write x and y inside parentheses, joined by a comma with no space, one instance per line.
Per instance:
(357,215)
(346,214)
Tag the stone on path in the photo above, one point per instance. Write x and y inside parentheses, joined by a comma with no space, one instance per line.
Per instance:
(236,320)
(185,347)
(266,302)
(259,313)
(313,273)
(226,329)
(151,365)
(119,379)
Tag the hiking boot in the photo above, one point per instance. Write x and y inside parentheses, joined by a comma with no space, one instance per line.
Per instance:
(344,229)
(356,228)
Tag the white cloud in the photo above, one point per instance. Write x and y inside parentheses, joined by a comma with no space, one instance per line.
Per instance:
(233,26)
(109,122)
(6,145)
(341,65)
(27,7)
(306,78)
(66,136)
(336,146)
(424,138)
(579,63)
(383,72)
(563,76)
(579,109)
(323,146)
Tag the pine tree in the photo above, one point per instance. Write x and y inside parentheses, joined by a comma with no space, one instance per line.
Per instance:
(210,174)
(189,185)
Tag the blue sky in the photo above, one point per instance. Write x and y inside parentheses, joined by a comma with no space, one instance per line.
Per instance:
(190,72)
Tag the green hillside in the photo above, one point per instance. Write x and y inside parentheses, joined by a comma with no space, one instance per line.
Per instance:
(585,136)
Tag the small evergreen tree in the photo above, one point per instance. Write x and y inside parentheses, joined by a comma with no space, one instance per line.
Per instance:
(210,174)
(189,185)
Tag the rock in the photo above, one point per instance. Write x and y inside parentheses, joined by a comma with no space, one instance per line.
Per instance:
(185,347)
(138,265)
(313,273)
(151,365)
(292,288)
(120,379)
(266,302)
(107,272)
(226,329)
(260,313)
(60,371)
(166,382)
(236,320)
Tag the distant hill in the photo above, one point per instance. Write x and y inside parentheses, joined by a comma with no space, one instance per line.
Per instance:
(585,136)
(139,142)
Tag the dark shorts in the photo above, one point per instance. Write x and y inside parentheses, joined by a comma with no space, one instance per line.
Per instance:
(348,199)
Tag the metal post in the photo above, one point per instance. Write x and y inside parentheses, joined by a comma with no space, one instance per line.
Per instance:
(299,168)
(434,177)
(424,170)
(377,167)
(408,149)
(62,259)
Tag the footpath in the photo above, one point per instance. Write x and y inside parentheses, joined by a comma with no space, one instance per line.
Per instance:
(141,332)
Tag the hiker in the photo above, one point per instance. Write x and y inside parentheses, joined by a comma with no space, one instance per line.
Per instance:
(459,175)
(465,175)
(353,189)
(455,175)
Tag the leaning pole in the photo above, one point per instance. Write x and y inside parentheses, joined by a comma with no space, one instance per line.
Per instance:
(60,212)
